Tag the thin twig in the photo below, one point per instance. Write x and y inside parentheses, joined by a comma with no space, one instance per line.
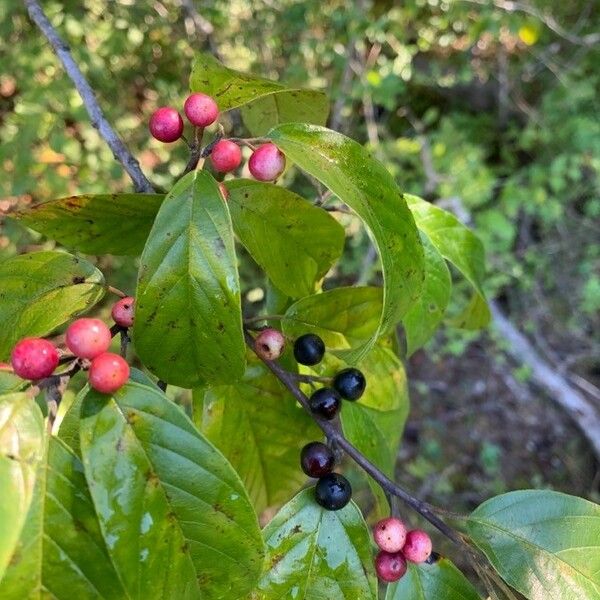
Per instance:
(116,144)
(427,511)
(116,291)
(195,152)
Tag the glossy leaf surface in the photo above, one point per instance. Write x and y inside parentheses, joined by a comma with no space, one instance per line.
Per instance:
(317,554)
(364,184)
(188,325)
(175,515)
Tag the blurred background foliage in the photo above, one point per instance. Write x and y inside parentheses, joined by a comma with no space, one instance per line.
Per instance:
(488,108)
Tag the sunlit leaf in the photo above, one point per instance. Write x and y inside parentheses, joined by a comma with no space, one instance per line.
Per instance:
(260,428)
(422,319)
(21,448)
(61,552)
(363,183)
(459,245)
(343,317)
(273,222)
(188,324)
(174,513)
(41,291)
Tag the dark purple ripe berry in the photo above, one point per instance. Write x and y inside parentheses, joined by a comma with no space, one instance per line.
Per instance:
(317,459)
(350,384)
(333,491)
(325,403)
(309,349)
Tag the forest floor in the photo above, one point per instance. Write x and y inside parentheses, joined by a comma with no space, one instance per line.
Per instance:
(475,432)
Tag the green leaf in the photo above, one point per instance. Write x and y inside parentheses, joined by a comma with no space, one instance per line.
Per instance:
(96,223)
(41,291)
(175,515)
(344,317)
(61,553)
(364,184)
(21,448)
(266,103)
(438,581)
(272,223)
(188,319)
(422,319)
(544,544)
(260,428)
(285,106)
(317,554)
(374,424)
(459,245)
(9,382)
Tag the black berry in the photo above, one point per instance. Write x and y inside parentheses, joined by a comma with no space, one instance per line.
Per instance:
(309,349)
(350,384)
(333,491)
(317,459)
(325,403)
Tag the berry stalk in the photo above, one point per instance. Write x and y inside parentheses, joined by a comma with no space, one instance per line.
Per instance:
(427,511)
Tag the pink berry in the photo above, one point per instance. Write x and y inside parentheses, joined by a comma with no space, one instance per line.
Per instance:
(269,344)
(166,124)
(34,358)
(87,338)
(226,156)
(108,372)
(390,534)
(390,567)
(418,547)
(201,110)
(122,311)
(224,191)
(267,162)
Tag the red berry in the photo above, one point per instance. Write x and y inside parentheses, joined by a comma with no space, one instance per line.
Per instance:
(269,344)
(5,367)
(122,311)
(390,567)
(166,124)
(390,534)
(34,358)
(226,156)
(224,191)
(87,338)
(201,110)
(108,372)
(418,547)
(267,162)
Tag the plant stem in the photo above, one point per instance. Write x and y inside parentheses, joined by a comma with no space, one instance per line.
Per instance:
(427,511)
(116,291)
(116,144)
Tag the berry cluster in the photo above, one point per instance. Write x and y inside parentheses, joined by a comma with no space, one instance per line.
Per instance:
(88,340)
(396,546)
(267,162)
(332,491)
